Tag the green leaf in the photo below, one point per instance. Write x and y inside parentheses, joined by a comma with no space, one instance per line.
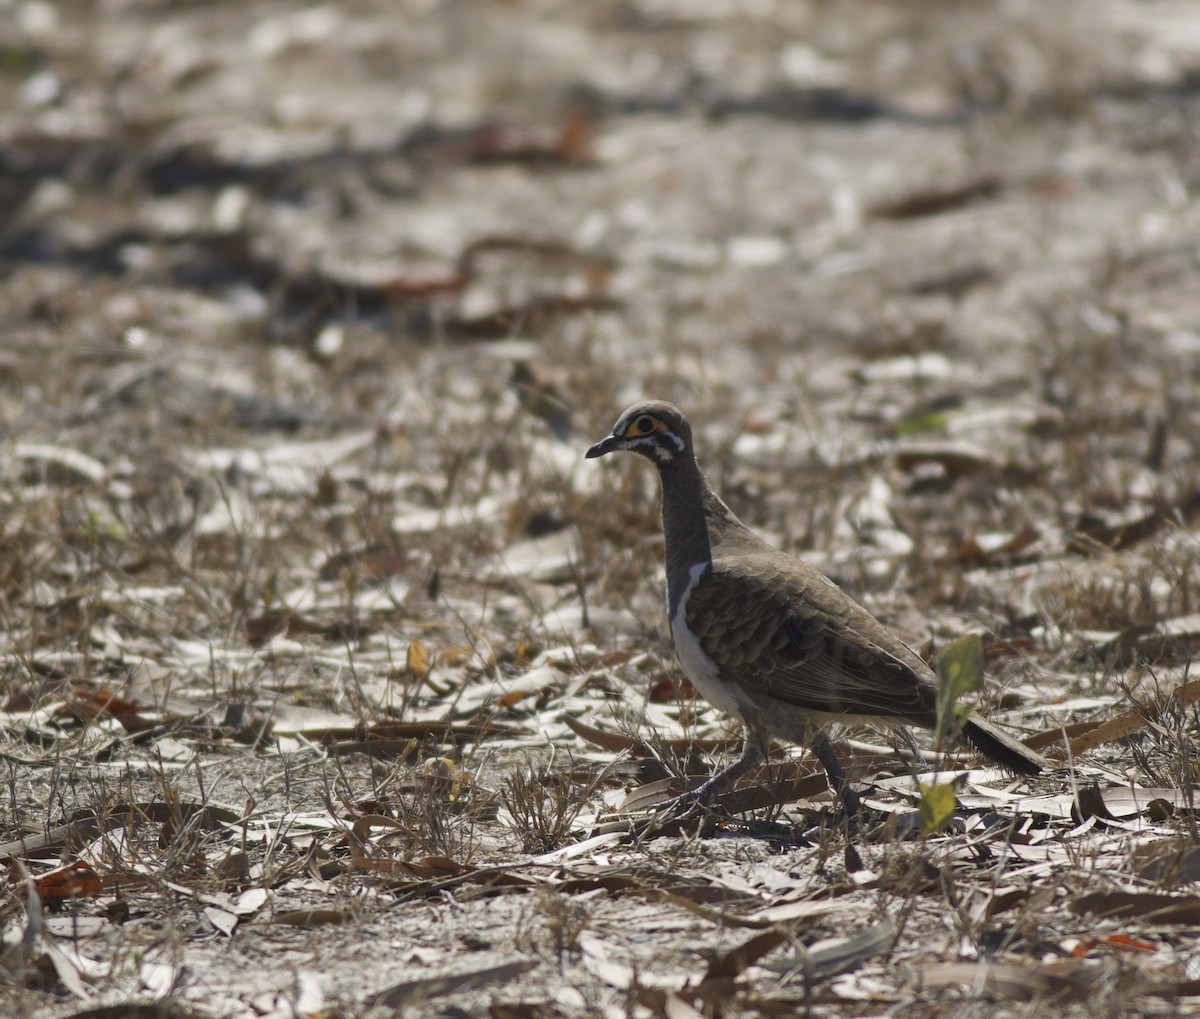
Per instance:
(960,666)
(98,525)
(937,806)
(960,672)
(932,421)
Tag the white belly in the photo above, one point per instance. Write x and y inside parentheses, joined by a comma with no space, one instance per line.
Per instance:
(699,668)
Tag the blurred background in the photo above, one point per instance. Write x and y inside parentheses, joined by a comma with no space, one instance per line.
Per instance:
(308,313)
(479,229)
(922,274)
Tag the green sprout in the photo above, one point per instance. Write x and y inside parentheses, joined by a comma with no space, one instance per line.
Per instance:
(960,672)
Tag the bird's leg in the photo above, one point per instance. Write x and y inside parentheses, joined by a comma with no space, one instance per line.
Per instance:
(753,754)
(837,778)
(913,746)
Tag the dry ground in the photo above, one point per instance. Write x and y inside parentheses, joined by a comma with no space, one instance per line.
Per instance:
(327,660)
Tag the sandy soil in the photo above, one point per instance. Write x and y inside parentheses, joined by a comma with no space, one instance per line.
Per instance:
(318,636)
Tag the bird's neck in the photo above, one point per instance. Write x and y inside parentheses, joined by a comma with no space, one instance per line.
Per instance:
(694,521)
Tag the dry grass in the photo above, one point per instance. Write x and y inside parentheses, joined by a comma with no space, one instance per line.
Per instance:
(305,588)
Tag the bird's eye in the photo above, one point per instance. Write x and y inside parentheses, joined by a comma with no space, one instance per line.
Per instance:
(644,425)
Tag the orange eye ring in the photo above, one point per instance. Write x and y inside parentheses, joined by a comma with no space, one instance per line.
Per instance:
(643,425)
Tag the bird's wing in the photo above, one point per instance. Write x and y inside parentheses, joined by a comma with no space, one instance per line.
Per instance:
(789,632)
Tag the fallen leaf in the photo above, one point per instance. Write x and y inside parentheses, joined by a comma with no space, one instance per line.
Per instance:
(1149,906)
(417,661)
(1132,721)
(314,917)
(222,919)
(1119,942)
(938,200)
(88,705)
(436,987)
(1065,979)
(957,459)
(75,880)
(1172,861)
(831,956)
(1089,802)
(936,806)
(730,965)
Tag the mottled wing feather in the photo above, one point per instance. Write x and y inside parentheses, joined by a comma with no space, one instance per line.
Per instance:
(787,631)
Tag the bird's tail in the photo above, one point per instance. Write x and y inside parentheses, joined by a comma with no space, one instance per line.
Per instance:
(1001,748)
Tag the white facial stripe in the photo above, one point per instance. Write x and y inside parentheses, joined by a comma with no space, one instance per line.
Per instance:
(665,455)
(652,440)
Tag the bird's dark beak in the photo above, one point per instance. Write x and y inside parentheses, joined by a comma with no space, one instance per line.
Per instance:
(605,445)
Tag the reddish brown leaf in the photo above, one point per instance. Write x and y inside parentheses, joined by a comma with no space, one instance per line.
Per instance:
(1048,737)
(995,650)
(613,742)
(90,704)
(1117,942)
(1131,721)
(75,880)
(669,689)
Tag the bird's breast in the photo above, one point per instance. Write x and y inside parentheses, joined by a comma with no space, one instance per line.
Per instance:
(696,663)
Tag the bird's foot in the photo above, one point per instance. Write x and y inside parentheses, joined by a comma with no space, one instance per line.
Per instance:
(694,810)
(698,804)
(682,806)
(853,811)
(849,816)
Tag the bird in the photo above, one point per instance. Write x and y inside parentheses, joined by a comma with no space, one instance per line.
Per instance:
(766,637)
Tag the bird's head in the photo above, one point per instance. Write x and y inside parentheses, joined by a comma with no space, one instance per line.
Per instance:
(656,429)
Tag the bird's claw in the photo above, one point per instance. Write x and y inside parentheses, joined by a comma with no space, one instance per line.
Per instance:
(671,816)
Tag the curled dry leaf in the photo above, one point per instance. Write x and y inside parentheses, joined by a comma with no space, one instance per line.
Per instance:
(73,881)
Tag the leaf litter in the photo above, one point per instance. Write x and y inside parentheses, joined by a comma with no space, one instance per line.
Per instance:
(334,679)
